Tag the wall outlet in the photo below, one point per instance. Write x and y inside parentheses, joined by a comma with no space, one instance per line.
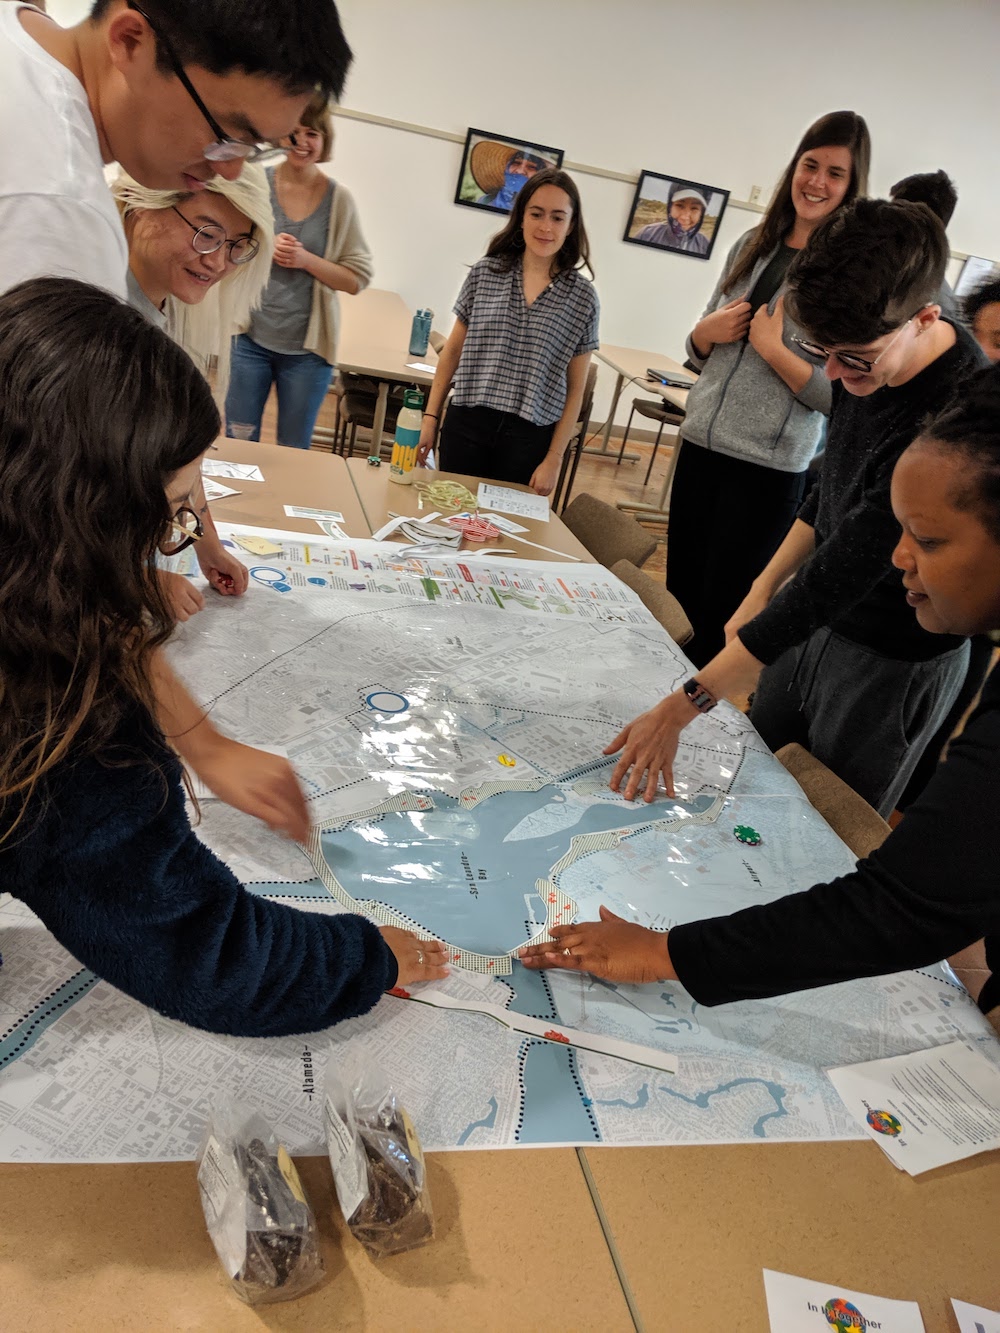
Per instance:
(755,193)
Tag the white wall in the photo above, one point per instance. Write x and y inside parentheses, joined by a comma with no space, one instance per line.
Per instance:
(716,92)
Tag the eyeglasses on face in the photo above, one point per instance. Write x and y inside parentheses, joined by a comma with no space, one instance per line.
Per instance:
(210,236)
(185,529)
(223,148)
(851,360)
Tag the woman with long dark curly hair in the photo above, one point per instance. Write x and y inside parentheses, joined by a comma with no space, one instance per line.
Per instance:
(103,424)
(526,324)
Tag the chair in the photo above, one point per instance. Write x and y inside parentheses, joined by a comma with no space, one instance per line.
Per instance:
(663,605)
(437,340)
(608,534)
(655,409)
(575,447)
(848,814)
(357,408)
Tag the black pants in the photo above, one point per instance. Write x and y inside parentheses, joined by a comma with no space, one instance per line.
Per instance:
(482,442)
(727,518)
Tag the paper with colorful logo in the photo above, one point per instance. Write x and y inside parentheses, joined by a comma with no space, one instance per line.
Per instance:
(974,1318)
(799,1305)
(927,1108)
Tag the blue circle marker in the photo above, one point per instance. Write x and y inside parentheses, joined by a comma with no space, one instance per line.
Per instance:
(270,578)
(386,701)
(282,587)
(320,583)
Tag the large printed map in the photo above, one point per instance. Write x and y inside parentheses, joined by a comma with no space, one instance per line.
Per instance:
(447,719)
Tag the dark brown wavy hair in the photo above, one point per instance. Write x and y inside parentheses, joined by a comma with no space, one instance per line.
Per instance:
(837,129)
(98,410)
(507,246)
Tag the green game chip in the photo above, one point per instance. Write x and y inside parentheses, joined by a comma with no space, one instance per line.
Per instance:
(744,833)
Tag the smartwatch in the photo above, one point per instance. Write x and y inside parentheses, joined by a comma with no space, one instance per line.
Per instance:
(704,700)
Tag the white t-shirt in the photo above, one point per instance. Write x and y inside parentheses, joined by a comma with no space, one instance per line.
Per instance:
(57,216)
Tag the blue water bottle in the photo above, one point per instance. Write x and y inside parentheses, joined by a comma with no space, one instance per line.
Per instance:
(420,332)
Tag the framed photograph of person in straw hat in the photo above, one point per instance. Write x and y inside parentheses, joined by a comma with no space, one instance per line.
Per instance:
(673,214)
(495,167)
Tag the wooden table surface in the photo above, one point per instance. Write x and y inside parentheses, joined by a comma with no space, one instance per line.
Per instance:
(631,363)
(379,495)
(375,338)
(116,1249)
(291,476)
(693,1228)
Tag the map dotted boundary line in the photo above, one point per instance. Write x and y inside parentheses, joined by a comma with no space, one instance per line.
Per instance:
(44,1011)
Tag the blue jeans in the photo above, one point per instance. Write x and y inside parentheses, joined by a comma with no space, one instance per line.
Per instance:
(302,382)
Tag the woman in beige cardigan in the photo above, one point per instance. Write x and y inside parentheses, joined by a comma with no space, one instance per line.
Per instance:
(291,340)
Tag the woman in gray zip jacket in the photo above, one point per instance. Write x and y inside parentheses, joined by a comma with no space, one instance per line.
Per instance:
(756,416)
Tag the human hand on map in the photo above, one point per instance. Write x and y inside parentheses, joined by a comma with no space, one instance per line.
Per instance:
(260,784)
(417,959)
(612,948)
(224,572)
(648,745)
(182,596)
(546,474)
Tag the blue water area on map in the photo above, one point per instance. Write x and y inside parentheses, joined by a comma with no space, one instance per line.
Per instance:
(451,869)
(555,1109)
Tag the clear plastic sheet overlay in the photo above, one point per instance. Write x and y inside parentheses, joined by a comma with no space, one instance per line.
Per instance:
(447,718)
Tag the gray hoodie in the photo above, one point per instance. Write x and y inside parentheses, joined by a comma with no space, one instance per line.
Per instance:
(741,407)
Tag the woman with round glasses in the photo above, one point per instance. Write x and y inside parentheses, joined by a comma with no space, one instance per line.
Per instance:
(319,251)
(104,422)
(198,264)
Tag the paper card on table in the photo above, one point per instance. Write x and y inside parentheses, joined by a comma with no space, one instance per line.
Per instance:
(214,490)
(257,545)
(217,467)
(421,365)
(203,793)
(974,1318)
(927,1108)
(522,503)
(798,1305)
(300,511)
(504,524)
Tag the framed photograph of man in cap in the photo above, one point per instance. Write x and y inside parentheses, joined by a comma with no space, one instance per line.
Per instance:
(495,167)
(673,214)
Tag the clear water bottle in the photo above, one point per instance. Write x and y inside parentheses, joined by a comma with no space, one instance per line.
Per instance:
(404,448)
(420,332)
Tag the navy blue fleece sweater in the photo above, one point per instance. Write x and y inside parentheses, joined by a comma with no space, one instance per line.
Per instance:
(108,859)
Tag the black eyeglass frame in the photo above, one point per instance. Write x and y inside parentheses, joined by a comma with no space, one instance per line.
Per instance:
(250,241)
(851,359)
(237,148)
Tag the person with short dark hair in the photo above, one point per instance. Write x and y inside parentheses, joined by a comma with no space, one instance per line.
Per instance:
(756,415)
(937,190)
(94,835)
(290,341)
(518,352)
(844,668)
(173,90)
(931,888)
(982,314)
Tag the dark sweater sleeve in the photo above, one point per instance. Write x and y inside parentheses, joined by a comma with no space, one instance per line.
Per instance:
(928,891)
(840,573)
(116,873)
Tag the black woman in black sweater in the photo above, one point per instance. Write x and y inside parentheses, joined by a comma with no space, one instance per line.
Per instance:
(932,888)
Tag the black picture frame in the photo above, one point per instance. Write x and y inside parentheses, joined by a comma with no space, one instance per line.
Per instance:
(484,152)
(649,215)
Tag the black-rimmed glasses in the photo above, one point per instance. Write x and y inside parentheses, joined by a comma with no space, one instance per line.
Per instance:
(851,360)
(185,529)
(211,236)
(224,148)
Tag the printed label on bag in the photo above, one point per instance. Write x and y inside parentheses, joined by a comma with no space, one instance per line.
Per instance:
(350,1174)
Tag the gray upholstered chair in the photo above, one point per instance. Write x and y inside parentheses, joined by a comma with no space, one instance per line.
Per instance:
(661,604)
(848,814)
(608,534)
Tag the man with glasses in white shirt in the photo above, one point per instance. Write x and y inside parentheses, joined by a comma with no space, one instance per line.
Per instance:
(176,91)
(847,669)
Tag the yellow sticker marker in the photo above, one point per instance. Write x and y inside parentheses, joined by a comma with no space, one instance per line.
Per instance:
(506,760)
